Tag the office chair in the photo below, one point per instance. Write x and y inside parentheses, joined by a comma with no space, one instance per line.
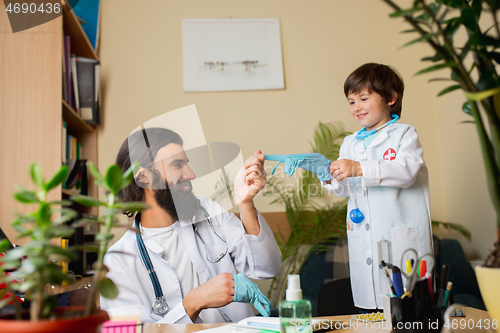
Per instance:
(335,299)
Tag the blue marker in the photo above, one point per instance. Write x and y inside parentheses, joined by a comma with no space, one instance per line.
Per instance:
(398,281)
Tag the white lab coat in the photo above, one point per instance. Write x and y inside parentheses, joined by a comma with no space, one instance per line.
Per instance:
(393,195)
(256,257)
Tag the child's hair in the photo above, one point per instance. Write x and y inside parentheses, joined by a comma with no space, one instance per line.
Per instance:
(377,78)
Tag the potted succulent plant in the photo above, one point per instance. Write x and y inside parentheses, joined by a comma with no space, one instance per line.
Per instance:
(473,65)
(34,265)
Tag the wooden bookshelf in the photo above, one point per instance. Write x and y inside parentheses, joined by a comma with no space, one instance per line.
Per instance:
(32,106)
(74,122)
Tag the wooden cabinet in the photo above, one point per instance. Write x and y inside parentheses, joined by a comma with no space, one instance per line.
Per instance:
(32,108)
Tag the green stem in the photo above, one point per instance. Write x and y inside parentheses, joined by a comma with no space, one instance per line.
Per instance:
(100,258)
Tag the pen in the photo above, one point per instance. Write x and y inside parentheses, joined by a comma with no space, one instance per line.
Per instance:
(443,281)
(388,278)
(398,281)
(447,294)
(443,277)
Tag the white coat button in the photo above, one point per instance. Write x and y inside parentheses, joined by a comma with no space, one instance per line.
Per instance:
(367,226)
(369,261)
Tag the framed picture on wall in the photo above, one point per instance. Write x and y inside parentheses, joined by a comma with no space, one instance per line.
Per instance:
(232,54)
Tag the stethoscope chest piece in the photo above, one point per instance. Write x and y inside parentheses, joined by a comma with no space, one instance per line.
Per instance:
(356,216)
(160,306)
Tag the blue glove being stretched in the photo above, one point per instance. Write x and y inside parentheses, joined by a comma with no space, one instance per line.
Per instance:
(245,291)
(313,162)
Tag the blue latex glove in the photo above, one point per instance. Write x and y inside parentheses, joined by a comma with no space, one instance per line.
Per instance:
(245,291)
(314,162)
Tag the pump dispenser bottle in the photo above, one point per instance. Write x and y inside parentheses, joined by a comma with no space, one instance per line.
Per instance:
(295,312)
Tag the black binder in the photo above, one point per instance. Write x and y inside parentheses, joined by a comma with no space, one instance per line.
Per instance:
(87,89)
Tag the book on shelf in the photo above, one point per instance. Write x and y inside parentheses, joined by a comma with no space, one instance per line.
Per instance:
(77,177)
(98,94)
(64,135)
(88,87)
(88,13)
(64,85)
(74,81)
(67,67)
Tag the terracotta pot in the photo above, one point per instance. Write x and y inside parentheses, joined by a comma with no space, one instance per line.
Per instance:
(489,284)
(90,324)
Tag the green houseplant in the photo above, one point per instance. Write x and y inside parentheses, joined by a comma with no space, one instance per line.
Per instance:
(35,263)
(473,70)
(312,225)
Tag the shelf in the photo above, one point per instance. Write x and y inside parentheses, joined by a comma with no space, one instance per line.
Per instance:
(80,44)
(73,121)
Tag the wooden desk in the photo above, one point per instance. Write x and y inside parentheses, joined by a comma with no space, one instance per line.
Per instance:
(472,315)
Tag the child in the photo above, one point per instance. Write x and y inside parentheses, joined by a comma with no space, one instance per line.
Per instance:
(381,170)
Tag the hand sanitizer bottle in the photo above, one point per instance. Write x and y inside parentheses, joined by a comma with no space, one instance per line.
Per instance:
(295,312)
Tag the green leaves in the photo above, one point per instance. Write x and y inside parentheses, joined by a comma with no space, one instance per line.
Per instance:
(479,96)
(39,266)
(113,181)
(435,68)
(469,19)
(26,197)
(107,288)
(405,12)
(452,3)
(453,226)
(467,108)
(449,89)
(421,39)
(57,178)
(85,200)
(36,175)
(114,178)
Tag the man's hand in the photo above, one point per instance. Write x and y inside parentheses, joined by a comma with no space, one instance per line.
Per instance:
(251,178)
(216,292)
(341,169)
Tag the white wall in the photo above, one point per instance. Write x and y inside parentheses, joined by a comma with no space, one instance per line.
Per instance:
(323,41)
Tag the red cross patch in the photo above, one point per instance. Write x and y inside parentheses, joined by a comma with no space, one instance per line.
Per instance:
(389,155)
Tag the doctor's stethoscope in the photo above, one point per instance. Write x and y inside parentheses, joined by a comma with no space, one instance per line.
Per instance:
(160,306)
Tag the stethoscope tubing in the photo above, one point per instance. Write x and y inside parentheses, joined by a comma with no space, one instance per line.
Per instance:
(160,306)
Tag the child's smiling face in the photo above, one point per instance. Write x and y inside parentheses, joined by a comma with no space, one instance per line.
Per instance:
(369,109)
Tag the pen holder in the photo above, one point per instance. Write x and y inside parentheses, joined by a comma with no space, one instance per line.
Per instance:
(416,313)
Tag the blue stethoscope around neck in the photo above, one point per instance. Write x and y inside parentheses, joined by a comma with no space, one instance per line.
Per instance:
(160,306)
(363,133)
(355,214)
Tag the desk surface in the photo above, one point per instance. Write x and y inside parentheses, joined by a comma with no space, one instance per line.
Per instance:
(472,316)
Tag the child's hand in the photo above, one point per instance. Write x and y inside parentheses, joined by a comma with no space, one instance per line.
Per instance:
(341,169)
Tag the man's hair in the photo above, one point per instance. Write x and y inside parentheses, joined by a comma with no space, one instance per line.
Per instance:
(142,146)
(378,78)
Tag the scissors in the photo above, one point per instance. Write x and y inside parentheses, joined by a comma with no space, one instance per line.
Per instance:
(412,277)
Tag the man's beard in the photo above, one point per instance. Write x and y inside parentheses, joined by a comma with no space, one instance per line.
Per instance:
(180,204)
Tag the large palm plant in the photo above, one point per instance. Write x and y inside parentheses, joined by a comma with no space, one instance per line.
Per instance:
(312,225)
(436,23)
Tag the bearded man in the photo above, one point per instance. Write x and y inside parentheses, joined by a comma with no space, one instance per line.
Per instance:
(194,245)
